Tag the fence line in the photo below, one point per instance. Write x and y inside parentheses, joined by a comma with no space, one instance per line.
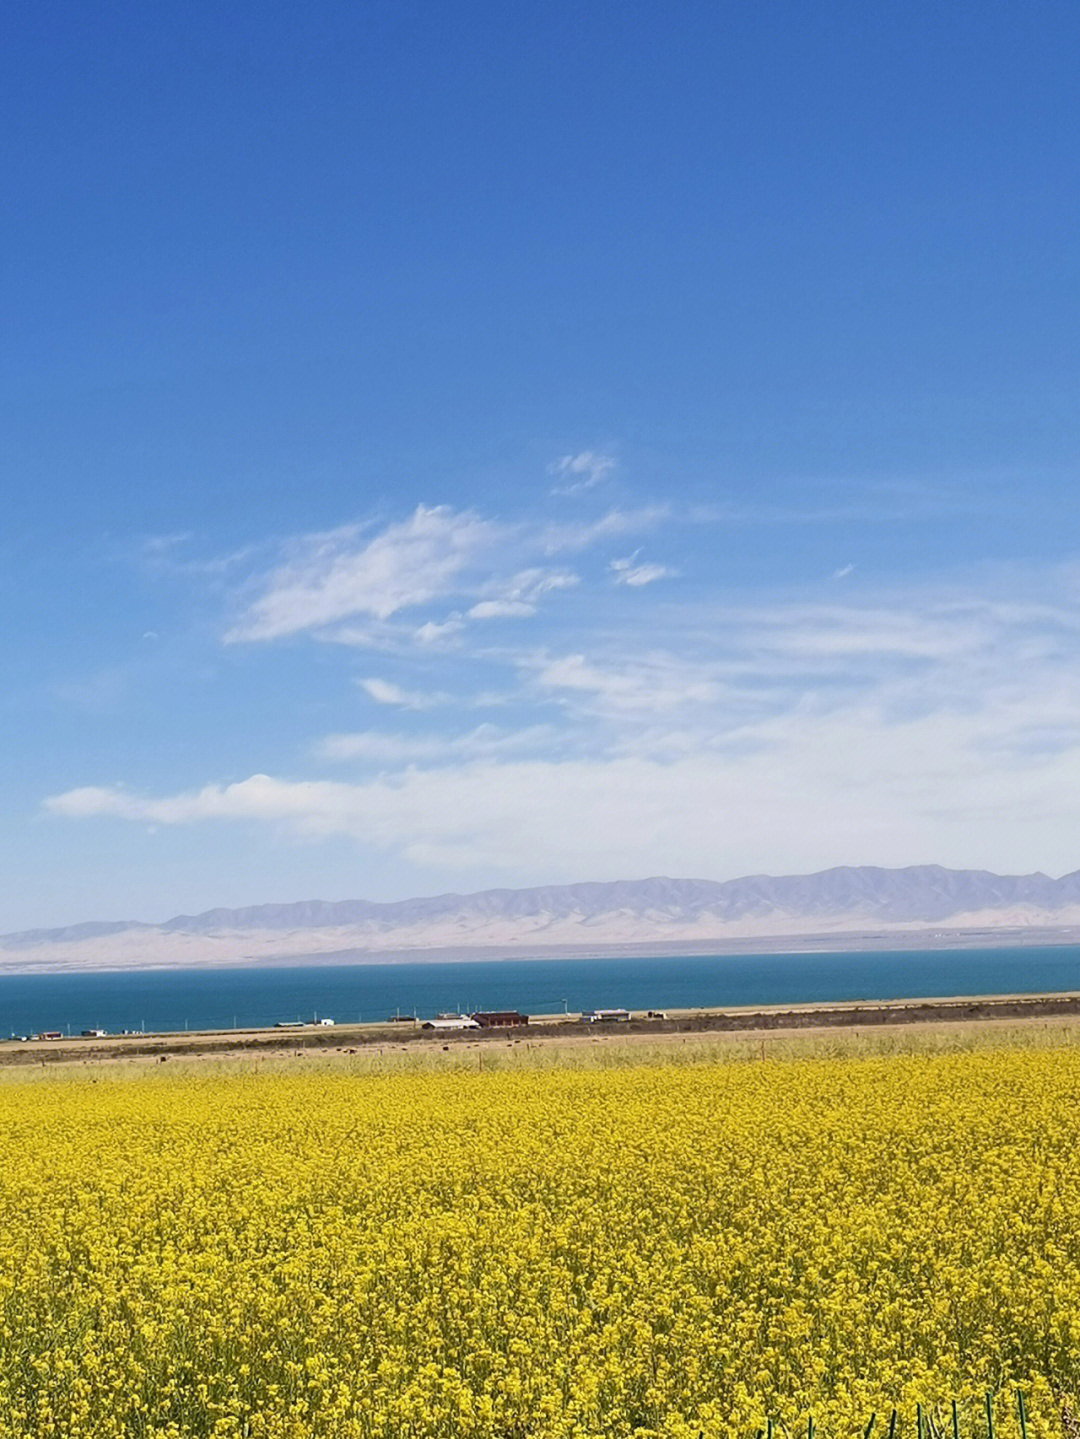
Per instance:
(926,1425)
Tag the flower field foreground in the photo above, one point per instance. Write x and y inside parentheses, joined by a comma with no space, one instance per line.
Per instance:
(654,1250)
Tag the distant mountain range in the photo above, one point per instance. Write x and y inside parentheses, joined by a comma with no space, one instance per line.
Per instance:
(836,904)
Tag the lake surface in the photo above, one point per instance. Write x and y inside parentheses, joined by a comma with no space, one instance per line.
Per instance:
(167,1000)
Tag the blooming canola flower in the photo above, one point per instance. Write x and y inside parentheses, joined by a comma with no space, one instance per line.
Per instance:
(658,1249)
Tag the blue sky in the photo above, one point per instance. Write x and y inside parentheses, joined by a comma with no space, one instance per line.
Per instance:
(448,447)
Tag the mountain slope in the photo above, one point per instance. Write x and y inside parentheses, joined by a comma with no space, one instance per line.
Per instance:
(835,901)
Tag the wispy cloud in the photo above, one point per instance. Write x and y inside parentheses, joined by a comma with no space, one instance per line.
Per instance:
(331,578)
(830,500)
(569,536)
(434,632)
(648,683)
(156,545)
(519,596)
(424,577)
(501,609)
(378,747)
(687,733)
(530,584)
(856,782)
(822,636)
(384,692)
(580,472)
(629,572)
(179,555)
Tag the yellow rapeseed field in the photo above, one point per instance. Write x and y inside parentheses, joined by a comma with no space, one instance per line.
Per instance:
(655,1249)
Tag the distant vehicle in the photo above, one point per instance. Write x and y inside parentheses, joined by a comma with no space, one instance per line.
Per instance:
(606,1016)
(50,1034)
(656,1014)
(93,1033)
(402,1019)
(289,1024)
(326,1023)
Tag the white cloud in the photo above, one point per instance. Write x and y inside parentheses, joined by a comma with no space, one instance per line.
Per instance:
(532,583)
(385,693)
(153,545)
(828,500)
(355,588)
(822,635)
(329,580)
(849,787)
(406,749)
(581,472)
(579,536)
(843,572)
(434,631)
(651,683)
(381,748)
(920,725)
(501,609)
(628,572)
(520,595)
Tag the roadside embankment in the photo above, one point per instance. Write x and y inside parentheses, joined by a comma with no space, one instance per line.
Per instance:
(762,1020)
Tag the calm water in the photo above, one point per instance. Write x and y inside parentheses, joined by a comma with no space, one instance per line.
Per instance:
(221,998)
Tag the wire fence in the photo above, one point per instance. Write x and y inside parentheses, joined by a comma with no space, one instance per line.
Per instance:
(930,1424)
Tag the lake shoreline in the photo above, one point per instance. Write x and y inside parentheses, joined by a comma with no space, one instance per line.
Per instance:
(744,1021)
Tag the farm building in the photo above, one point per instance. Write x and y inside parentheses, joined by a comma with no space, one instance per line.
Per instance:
(606,1016)
(500,1019)
(450,1021)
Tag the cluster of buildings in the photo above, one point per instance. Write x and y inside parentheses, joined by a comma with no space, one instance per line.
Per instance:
(482,1019)
(512,1019)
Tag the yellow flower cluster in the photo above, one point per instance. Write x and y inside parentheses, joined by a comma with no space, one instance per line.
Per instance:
(653,1250)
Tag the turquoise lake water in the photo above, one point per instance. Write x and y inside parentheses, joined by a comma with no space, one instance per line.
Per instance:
(168,1000)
